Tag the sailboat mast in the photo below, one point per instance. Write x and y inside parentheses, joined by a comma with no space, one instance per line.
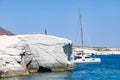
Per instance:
(82,42)
(45,31)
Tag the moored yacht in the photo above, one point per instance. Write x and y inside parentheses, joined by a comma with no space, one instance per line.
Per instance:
(82,58)
(85,59)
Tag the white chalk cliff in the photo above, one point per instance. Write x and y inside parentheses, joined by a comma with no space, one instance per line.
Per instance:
(22,54)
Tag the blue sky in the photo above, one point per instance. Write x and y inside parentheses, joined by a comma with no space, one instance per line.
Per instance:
(100,19)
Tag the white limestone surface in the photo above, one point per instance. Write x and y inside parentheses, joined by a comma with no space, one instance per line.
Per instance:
(16,52)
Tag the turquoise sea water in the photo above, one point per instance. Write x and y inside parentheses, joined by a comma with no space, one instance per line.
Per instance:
(108,69)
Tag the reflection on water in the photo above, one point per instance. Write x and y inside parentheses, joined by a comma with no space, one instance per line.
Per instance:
(44,76)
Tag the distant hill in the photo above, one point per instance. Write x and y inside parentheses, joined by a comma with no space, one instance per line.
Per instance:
(5,32)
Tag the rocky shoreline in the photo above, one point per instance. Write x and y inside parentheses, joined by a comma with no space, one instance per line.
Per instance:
(24,54)
(97,50)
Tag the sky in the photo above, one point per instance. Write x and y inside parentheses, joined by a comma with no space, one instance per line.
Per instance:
(100,19)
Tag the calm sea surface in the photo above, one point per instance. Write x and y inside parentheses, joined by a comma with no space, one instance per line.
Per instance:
(108,69)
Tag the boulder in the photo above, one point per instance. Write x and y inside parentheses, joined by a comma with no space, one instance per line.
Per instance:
(22,54)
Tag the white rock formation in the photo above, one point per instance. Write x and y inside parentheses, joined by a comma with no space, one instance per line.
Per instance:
(34,52)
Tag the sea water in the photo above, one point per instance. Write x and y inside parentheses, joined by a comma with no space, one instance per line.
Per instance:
(108,69)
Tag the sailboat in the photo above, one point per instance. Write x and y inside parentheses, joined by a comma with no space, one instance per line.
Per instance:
(83,58)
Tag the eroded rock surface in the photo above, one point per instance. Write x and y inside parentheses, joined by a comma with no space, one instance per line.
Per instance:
(22,54)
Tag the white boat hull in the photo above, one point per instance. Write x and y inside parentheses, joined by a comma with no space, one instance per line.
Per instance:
(89,60)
